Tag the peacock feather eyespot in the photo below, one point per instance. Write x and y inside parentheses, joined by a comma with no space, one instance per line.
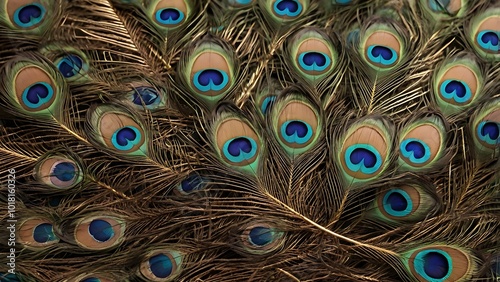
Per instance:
(146,97)
(36,233)
(170,14)
(209,71)
(382,48)
(118,130)
(261,238)
(191,184)
(238,144)
(457,84)
(99,232)
(72,63)
(71,66)
(313,54)
(161,265)
(35,90)
(26,14)
(485,127)
(364,151)
(422,143)
(58,172)
(406,203)
(485,34)
(439,263)
(296,124)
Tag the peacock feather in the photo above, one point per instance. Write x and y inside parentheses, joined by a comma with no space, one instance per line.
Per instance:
(249,140)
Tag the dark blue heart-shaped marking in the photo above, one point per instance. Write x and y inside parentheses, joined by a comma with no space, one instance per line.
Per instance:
(490,37)
(211,75)
(383,51)
(417,148)
(297,127)
(368,158)
(311,58)
(170,14)
(125,135)
(291,6)
(37,92)
(239,144)
(458,87)
(491,129)
(28,13)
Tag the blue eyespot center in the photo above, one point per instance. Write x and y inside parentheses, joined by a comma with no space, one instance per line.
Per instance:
(44,233)
(64,171)
(238,145)
(101,230)
(37,94)
(191,183)
(314,61)
(382,55)
(70,65)
(367,157)
(296,131)
(126,138)
(456,90)
(415,150)
(29,15)
(489,132)
(240,149)
(397,203)
(364,158)
(287,8)
(146,95)
(267,104)
(161,265)
(169,16)
(261,236)
(489,40)
(433,264)
(210,80)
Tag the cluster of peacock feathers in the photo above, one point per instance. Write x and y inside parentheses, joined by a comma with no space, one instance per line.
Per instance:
(251,140)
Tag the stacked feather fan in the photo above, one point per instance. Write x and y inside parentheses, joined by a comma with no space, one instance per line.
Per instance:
(250,140)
